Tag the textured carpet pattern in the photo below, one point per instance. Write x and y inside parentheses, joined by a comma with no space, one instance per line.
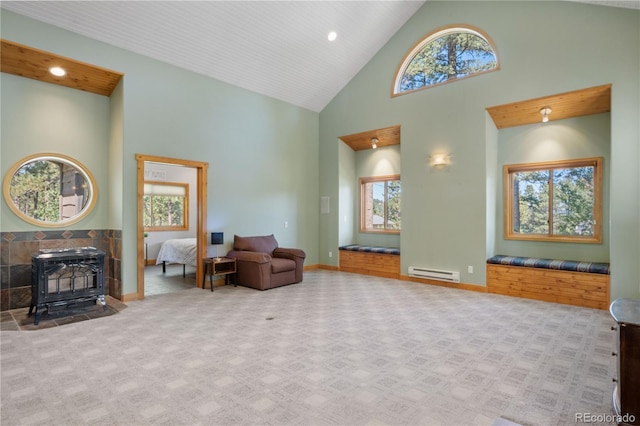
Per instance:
(337,349)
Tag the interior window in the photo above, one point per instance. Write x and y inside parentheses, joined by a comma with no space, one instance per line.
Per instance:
(165,206)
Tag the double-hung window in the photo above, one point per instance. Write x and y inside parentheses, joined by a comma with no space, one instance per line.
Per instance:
(554,201)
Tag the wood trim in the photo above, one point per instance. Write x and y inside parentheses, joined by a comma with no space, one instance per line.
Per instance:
(329,267)
(550,285)
(185,226)
(49,156)
(387,136)
(596,162)
(361,182)
(202,169)
(578,103)
(203,172)
(129,297)
(168,160)
(28,62)
(366,263)
(140,228)
(429,37)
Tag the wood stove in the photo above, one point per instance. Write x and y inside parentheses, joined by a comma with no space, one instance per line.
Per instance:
(63,278)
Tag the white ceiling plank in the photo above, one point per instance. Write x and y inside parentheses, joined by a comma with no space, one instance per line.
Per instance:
(275,48)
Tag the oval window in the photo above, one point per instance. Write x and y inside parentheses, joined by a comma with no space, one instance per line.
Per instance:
(50,190)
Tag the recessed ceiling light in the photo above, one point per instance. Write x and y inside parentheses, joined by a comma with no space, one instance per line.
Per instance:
(332,36)
(57,71)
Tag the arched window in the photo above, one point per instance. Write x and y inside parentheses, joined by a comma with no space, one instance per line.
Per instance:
(445,55)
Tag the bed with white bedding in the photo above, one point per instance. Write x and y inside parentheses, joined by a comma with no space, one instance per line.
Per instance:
(178,250)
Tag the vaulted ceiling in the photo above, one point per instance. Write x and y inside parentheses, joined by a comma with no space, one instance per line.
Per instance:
(275,48)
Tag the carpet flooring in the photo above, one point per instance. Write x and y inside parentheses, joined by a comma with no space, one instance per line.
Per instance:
(336,349)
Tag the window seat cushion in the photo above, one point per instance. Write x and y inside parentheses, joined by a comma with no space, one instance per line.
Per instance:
(563,265)
(371,249)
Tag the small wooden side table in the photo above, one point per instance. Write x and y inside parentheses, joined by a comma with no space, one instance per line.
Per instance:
(219,266)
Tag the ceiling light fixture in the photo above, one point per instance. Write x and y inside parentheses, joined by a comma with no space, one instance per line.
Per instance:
(57,71)
(332,35)
(545,114)
(374,143)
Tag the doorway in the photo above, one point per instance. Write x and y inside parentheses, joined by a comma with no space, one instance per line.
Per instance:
(201,208)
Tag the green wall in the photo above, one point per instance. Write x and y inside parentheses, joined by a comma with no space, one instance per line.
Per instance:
(348,196)
(262,153)
(383,161)
(270,161)
(581,137)
(116,135)
(545,48)
(39,117)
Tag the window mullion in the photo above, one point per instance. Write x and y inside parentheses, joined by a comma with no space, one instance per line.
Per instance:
(386,204)
(550,201)
(151,216)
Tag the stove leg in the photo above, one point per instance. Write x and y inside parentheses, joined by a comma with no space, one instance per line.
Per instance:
(102,302)
(36,321)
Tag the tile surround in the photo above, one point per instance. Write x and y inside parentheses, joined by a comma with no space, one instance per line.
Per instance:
(16,249)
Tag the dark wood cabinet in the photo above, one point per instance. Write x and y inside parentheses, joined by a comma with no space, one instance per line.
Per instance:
(626,392)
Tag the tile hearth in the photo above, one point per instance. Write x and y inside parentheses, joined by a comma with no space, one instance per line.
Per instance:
(19,319)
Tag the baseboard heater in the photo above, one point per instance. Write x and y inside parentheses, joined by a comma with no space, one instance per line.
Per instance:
(434,274)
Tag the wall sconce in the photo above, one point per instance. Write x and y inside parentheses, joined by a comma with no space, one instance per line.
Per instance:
(374,143)
(217,238)
(545,114)
(439,161)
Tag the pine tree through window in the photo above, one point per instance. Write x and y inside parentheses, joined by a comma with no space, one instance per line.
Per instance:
(380,204)
(443,56)
(165,206)
(555,201)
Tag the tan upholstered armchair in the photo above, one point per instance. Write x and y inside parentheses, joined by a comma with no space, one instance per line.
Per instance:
(262,265)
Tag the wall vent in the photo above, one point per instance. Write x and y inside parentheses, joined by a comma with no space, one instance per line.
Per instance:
(434,274)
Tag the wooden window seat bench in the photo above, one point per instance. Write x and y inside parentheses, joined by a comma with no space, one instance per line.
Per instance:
(370,260)
(561,281)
